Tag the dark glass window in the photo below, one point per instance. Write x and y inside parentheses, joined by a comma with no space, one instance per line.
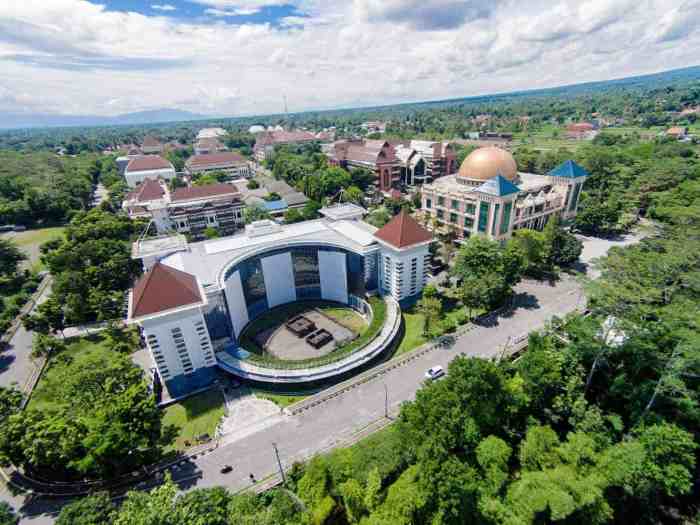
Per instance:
(305,262)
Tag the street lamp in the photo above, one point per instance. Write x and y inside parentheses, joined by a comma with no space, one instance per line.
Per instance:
(386,401)
(279,463)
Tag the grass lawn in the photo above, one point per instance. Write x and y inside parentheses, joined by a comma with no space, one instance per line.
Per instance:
(348,317)
(280,400)
(78,350)
(31,240)
(413,335)
(194,416)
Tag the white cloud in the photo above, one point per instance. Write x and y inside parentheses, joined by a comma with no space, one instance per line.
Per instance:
(236,11)
(164,7)
(76,56)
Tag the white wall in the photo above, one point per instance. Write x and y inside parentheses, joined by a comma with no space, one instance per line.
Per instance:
(334,278)
(198,345)
(236,303)
(279,279)
(133,178)
(399,270)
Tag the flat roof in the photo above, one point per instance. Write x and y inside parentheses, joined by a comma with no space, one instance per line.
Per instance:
(207,259)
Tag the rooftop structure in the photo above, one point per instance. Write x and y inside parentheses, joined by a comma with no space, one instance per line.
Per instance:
(151,145)
(163,288)
(343,211)
(403,232)
(211,133)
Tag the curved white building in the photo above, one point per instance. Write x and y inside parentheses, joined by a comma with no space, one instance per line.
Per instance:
(200,296)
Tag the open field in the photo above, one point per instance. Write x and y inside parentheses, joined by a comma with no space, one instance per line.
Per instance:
(193,417)
(31,240)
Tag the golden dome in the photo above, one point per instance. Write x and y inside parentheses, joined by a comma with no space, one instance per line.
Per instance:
(485,163)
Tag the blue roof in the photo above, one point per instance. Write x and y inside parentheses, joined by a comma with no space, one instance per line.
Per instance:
(498,186)
(277,205)
(569,170)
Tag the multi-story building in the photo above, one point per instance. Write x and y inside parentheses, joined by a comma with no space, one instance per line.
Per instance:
(188,210)
(227,162)
(140,168)
(266,141)
(198,296)
(490,197)
(424,161)
(378,156)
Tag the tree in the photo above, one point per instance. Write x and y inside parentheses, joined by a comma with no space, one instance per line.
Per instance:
(535,250)
(254,213)
(211,233)
(563,248)
(431,309)
(481,291)
(156,507)
(7,514)
(596,217)
(95,509)
(354,194)
(45,346)
(379,218)
(500,268)
(253,184)
(10,257)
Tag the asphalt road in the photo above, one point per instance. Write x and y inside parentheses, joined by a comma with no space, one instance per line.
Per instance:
(16,365)
(337,420)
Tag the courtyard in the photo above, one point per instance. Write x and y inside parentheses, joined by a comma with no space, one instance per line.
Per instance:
(303,330)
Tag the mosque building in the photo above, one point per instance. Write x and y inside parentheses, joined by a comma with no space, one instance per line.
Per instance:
(489,196)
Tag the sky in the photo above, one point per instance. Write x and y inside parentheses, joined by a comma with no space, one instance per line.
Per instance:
(242,57)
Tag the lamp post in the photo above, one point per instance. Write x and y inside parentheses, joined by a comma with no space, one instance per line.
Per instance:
(386,401)
(279,463)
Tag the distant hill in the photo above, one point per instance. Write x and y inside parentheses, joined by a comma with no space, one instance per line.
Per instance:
(38,120)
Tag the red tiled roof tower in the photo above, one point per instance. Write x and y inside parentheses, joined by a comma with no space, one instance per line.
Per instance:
(163,288)
(403,231)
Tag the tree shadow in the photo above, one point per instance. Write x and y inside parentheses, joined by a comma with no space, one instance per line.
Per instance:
(526,301)
(5,362)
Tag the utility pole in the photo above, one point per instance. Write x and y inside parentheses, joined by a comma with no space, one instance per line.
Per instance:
(279,464)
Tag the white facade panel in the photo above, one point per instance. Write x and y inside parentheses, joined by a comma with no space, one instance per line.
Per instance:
(189,326)
(332,267)
(279,279)
(133,178)
(236,303)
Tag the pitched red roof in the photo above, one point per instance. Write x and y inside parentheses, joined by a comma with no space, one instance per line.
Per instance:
(147,163)
(148,190)
(226,157)
(149,141)
(284,137)
(201,192)
(163,288)
(403,231)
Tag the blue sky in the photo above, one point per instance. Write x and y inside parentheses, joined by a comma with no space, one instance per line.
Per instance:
(189,11)
(242,57)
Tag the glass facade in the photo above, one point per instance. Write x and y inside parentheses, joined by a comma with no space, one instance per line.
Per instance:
(495,218)
(574,197)
(307,278)
(505,220)
(484,208)
(470,208)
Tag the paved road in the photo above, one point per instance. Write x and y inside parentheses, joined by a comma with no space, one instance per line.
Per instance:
(16,365)
(337,420)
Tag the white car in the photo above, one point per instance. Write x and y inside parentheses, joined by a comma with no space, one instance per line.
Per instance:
(434,372)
